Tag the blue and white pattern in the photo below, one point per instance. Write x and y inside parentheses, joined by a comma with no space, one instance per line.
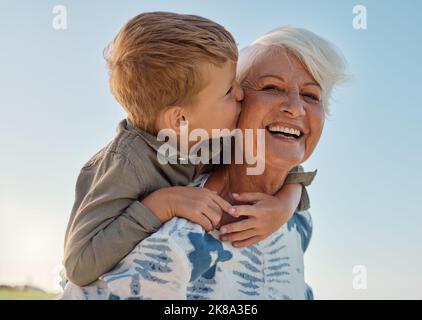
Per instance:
(182,261)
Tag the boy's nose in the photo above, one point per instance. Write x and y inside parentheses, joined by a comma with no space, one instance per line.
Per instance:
(239,93)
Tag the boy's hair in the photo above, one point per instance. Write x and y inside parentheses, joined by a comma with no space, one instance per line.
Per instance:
(157,59)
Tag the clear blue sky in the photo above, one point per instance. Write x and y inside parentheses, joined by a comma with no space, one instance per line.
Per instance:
(56,111)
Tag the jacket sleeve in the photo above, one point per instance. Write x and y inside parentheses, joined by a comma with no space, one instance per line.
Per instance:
(107,220)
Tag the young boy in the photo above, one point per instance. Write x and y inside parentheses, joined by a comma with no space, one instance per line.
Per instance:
(165,68)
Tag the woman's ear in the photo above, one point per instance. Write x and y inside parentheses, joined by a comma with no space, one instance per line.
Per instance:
(171,118)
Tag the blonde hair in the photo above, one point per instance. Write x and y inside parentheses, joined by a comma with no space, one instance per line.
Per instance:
(157,58)
(322,59)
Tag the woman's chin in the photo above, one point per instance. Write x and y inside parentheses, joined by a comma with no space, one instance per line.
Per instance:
(283,159)
(278,146)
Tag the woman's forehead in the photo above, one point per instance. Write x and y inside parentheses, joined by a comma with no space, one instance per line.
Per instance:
(279,63)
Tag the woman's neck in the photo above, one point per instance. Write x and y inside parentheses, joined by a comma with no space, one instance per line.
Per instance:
(228,179)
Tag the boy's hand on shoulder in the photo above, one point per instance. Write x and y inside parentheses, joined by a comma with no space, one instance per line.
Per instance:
(199,205)
(264,215)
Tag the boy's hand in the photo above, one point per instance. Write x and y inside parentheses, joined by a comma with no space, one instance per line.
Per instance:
(265,215)
(199,205)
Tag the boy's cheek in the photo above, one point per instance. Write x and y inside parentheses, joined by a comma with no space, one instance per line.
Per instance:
(237,109)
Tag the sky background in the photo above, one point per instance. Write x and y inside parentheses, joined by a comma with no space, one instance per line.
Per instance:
(56,111)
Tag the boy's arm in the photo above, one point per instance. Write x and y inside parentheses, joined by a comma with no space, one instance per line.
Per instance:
(199,205)
(301,179)
(290,196)
(107,220)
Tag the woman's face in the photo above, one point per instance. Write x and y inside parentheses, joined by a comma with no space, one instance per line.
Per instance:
(284,99)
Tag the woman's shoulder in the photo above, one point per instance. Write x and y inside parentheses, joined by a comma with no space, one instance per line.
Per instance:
(301,222)
(305,217)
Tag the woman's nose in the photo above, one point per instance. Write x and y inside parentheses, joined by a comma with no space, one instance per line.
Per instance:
(294,105)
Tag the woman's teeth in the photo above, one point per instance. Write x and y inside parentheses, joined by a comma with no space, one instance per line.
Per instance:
(284,130)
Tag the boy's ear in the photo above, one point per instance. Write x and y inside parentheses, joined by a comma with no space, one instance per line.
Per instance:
(171,118)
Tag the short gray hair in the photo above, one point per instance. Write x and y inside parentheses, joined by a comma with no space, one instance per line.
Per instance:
(323,59)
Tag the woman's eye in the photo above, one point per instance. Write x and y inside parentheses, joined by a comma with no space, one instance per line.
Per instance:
(272,88)
(229,91)
(311,96)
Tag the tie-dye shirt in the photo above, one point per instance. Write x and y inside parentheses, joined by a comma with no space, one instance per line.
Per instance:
(182,261)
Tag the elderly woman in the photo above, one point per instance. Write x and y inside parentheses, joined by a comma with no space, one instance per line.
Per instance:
(287,75)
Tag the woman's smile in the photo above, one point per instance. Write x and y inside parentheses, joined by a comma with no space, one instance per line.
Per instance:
(285,132)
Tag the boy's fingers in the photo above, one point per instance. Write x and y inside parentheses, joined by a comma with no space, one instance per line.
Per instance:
(244,210)
(249,196)
(238,236)
(247,242)
(223,204)
(238,226)
(206,222)
(213,214)
(200,219)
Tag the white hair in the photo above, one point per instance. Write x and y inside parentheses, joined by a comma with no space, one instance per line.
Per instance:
(323,60)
